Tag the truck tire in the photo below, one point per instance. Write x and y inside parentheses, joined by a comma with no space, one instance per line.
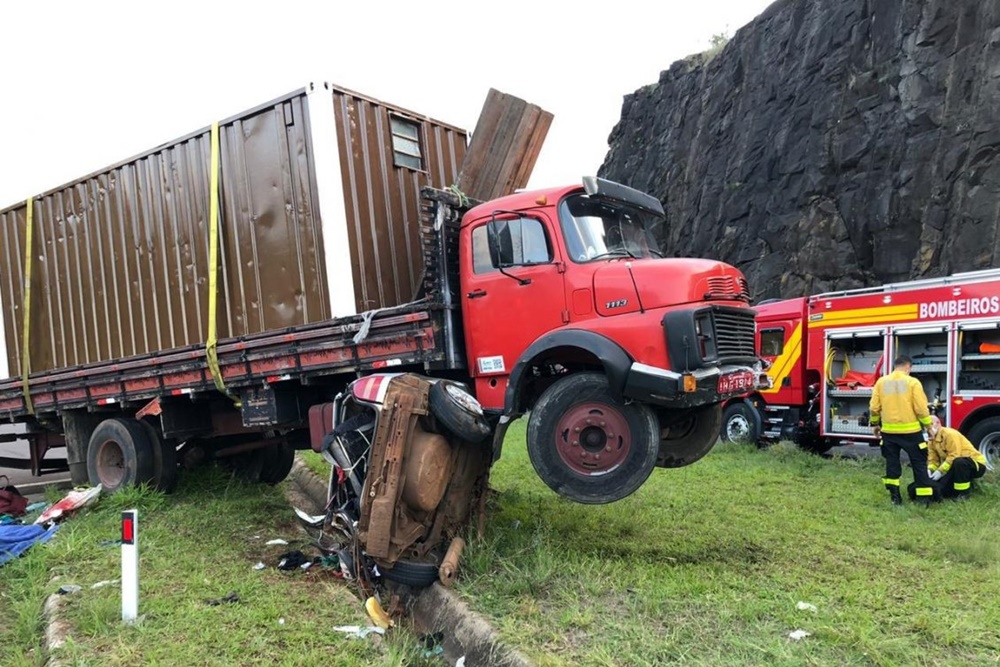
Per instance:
(985,436)
(458,411)
(589,446)
(740,423)
(164,459)
(688,440)
(276,463)
(119,455)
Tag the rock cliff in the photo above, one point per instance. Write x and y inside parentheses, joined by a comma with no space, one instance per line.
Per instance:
(831,144)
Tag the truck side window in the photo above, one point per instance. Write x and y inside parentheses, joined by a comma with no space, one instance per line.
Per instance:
(524,237)
(772,342)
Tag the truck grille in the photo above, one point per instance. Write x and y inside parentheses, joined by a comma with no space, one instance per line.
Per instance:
(734,334)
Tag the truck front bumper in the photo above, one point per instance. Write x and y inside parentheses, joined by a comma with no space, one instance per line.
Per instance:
(704,386)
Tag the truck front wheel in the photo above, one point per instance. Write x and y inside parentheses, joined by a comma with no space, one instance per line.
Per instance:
(688,435)
(589,446)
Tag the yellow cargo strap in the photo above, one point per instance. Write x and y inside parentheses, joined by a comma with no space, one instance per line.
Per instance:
(25,336)
(211,352)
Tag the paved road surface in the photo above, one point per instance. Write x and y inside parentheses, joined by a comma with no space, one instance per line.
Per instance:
(21,478)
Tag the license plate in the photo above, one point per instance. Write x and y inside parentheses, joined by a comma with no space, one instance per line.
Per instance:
(731,383)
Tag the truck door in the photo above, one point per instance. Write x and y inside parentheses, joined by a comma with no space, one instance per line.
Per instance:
(510,297)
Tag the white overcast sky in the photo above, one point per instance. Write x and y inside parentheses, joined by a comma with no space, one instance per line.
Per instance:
(86,84)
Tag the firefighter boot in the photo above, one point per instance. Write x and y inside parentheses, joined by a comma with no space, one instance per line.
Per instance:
(894,495)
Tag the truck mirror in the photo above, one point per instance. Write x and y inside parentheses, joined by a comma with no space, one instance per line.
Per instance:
(501,243)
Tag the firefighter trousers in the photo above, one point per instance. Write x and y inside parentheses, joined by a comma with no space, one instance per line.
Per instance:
(958,480)
(915,447)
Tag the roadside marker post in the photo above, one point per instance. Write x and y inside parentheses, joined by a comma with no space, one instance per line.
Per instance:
(130,565)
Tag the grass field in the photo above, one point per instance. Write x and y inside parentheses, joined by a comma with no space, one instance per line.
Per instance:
(705,565)
(198,544)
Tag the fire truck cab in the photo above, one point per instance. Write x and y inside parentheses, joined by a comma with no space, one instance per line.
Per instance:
(827,351)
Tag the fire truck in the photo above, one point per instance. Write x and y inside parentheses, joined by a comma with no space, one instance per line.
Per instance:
(827,351)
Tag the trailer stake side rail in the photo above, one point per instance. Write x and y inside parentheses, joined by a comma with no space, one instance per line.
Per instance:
(405,336)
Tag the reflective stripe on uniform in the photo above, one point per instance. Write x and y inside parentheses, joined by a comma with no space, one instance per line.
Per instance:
(890,482)
(945,467)
(963,486)
(902,428)
(932,467)
(924,421)
(923,445)
(925,491)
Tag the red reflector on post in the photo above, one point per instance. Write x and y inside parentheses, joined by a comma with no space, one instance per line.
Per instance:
(128,528)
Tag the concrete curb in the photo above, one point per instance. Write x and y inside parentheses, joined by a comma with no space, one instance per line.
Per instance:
(438,609)
(56,629)
(39,487)
(435,609)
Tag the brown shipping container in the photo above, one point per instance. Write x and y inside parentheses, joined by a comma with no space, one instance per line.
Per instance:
(319,214)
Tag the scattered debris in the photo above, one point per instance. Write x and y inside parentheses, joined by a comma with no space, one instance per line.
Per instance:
(109,543)
(311,520)
(460,662)
(34,507)
(276,541)
(798,634)
(431,644)
(74,500)
(259,566)
(359,632)
(377,614)
(291,560)
(806,606)
(232,597)
(67,589)
(106,582)
(15,540)
(281,621)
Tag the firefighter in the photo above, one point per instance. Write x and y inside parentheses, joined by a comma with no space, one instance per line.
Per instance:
(899,415)
(952,461)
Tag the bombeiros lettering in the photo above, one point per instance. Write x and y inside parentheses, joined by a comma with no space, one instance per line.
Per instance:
(960,307)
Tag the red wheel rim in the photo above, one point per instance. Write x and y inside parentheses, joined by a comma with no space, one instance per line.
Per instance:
(110,463)
(593,438)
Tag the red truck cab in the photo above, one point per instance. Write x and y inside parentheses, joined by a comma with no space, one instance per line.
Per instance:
(569,280)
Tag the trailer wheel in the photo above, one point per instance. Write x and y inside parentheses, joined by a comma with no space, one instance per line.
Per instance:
(587,445)
(985,436)
(458,411)
(276,463)
(740,423)
(689,439)
(119,455)
(164,459)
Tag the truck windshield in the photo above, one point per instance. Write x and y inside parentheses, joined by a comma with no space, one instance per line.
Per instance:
(599,229)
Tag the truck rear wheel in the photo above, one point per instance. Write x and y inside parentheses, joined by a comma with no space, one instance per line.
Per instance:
(740,423)
(276,463)
(119,455)
(587,445)
(690,436)
(164,459)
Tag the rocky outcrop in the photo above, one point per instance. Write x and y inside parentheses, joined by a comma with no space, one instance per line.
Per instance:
(831,144)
